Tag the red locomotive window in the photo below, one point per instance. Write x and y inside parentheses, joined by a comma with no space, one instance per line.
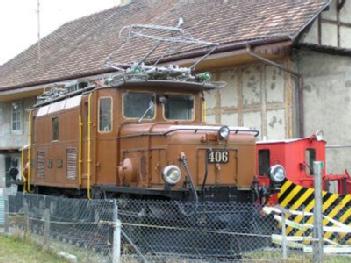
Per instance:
(310,157)
(264,162)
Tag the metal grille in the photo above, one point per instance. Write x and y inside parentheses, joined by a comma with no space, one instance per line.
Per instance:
(41,164)
(71,156)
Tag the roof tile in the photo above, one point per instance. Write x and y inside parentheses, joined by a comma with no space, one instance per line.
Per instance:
(82,46)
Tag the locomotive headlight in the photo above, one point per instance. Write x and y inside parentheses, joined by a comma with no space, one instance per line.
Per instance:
(277,173)
(223,133)
(171,174)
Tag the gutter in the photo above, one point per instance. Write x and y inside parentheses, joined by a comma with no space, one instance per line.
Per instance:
(226,48)
(61,79)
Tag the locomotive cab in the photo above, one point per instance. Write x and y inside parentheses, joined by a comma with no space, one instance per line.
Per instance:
(164,149)
(141,138)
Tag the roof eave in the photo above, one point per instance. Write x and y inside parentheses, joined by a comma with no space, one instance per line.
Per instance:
(193,54)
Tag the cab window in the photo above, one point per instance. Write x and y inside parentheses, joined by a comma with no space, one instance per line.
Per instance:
(264,162)
(105,114)
(138,105)
(310,157)
(179,107)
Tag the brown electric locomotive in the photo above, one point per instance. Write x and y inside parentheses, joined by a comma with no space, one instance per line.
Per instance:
(138,137)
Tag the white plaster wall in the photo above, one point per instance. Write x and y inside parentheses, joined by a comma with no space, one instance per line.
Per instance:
(345,37)
(329,35)
(251,85)
(275,124)
(252,120)
(327,103)
(331,13)
(211,119)
(311,34)
(274,85)
(13,139)
(230,119)
(229,94)
(345,13)
(210,98)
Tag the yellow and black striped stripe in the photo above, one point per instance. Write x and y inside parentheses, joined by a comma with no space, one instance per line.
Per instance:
(337,207)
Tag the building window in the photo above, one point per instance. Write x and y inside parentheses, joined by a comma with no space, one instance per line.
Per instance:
(264,162)
(55,128)
(105,114)
(16,117)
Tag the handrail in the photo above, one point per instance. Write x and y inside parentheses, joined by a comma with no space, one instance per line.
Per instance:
(29,149)
(22,170)
(182,129)
(257,132)
(89,146)
(80,150)
(204,109)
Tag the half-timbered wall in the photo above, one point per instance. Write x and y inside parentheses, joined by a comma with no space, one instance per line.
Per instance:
(255,96)
(332,27)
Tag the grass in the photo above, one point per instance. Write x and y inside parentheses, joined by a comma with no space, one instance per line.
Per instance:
(15,250)
(293,257)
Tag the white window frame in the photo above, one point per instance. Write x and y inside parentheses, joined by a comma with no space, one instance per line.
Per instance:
(19,115)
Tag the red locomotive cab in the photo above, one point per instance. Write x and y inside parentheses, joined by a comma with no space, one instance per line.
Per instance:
(295,155)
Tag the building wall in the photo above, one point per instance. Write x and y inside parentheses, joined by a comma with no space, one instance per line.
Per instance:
(10,139)
(256,96)
(327,103)
(2,171)
(332,28)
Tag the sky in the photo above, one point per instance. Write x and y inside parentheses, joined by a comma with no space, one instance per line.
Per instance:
(18,20)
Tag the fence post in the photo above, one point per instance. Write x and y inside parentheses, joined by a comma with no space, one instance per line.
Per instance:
(6,215)
(318,213)
(26,218)
(284,241)
(46,227)
(116,249)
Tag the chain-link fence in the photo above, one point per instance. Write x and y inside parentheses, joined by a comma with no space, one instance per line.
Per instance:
(151,231)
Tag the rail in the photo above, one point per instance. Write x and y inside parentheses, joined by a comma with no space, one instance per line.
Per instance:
(256,132)
(29,149)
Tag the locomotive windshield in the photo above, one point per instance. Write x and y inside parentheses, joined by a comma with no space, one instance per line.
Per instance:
(139,105)
(179,107)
